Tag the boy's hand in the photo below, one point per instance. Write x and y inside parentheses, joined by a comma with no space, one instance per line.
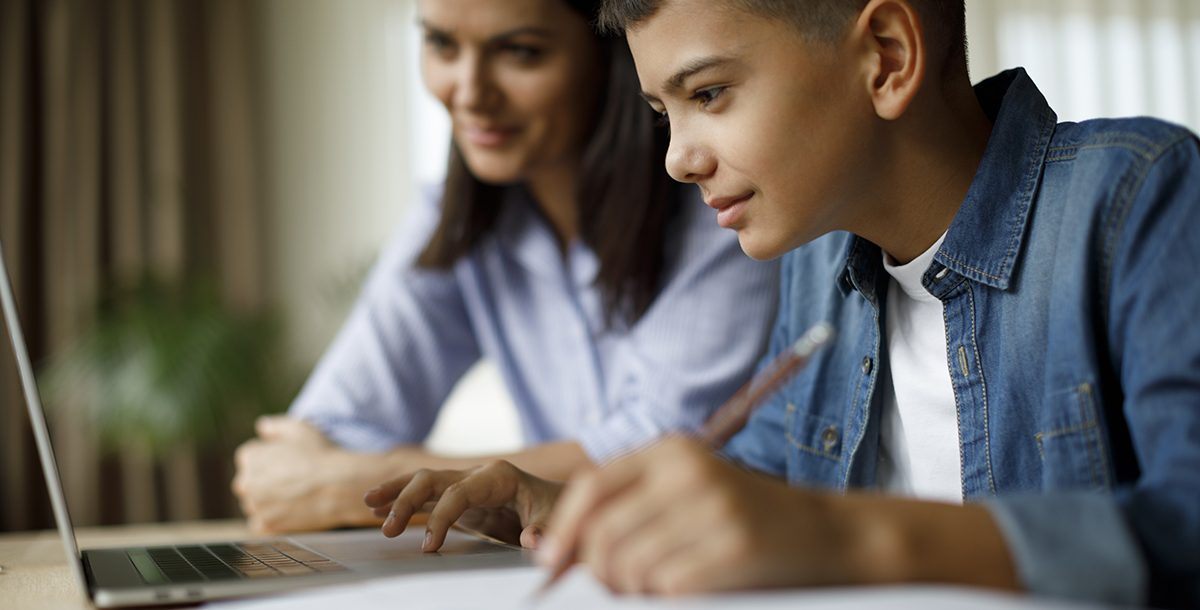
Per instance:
(676,519)
(497,499)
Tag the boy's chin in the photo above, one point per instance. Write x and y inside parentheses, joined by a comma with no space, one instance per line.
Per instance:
(760,247)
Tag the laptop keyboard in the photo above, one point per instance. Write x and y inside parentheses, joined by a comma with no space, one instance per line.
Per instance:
(217,562)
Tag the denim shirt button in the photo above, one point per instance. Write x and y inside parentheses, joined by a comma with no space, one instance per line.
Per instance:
(941,274)
(866,365)
(829,438)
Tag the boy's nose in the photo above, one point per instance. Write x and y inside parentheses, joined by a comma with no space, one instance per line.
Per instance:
(687,161)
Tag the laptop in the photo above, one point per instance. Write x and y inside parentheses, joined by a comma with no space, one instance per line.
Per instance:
(187,573)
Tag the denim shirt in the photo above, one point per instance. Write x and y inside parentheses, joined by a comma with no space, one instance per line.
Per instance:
(1074,351)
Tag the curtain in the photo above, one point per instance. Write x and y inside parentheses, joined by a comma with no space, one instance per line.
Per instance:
(1094,58)
(127,146)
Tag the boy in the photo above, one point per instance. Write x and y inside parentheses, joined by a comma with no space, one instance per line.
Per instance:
(1016,367)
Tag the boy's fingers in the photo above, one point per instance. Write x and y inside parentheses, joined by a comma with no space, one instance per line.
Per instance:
(385,493)
(702,566)
(397,520)
(491,486)
(541,504)
(654,545)
(623,518)
(583,494)
(423,486)
(454,501)
(531,536)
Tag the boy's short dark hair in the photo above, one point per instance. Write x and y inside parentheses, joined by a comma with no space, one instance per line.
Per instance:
(820,20)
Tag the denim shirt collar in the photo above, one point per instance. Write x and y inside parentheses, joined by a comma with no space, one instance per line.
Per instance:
(984,239)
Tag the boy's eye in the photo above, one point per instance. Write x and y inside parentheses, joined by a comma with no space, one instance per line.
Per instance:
(660,116)
(708,95)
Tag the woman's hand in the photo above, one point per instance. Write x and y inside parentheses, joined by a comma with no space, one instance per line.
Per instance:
(291,478)
(497,499)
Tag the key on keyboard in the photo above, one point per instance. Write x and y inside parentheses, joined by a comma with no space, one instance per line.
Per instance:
(216,562)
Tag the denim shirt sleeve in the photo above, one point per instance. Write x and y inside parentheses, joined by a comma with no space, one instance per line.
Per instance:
(405,343)
(1139,543)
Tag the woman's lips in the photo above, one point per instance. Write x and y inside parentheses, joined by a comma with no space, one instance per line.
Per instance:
(488,137)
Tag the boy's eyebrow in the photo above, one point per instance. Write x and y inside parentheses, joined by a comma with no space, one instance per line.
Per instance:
(692,68)
(675,82)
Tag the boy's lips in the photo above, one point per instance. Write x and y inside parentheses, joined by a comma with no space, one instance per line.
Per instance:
(729,209)
(720,203)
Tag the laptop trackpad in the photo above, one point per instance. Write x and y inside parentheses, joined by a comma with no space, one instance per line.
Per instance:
(369,550)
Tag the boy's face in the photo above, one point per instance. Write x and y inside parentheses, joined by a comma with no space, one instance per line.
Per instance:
(775,129)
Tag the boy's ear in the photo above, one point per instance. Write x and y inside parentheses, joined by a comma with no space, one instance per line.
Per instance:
(891,35)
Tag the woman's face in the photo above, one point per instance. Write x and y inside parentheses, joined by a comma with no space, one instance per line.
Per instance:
(520,79)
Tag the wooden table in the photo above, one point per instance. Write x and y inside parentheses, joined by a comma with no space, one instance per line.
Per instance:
(35,573)
(36,576)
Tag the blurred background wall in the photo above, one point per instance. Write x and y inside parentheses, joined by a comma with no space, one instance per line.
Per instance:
(267,149)
(128,151)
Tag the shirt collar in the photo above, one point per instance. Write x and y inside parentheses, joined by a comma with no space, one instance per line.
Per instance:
(528,238)
(984,239)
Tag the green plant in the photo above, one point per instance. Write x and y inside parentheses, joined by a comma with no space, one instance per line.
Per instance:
(167,364)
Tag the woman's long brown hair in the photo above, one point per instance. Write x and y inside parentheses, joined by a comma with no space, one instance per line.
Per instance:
(626,199)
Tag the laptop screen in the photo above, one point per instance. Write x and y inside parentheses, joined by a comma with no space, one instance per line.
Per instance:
(37,418)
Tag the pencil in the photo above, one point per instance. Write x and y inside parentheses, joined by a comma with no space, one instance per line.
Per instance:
(733,414)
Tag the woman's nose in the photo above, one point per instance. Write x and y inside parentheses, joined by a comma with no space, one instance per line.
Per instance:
(473,89)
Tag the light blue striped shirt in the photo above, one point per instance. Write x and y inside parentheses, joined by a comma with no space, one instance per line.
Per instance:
(519,302)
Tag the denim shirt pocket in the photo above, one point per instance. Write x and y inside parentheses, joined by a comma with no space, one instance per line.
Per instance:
(1071,442)
(816,446)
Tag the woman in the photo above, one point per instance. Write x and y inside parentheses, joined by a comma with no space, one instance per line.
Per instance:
(558,248)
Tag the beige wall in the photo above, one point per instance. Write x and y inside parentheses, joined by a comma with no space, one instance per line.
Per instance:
(348,134)
(336,152)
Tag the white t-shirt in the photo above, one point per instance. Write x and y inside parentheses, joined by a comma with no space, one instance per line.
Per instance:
(919,446)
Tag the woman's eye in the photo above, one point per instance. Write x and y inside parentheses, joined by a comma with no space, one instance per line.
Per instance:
(440,43)
(522,52)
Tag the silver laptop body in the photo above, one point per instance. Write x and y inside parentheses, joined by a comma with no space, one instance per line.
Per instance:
(171,574)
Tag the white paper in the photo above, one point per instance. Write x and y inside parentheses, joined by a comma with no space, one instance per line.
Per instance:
(513,589)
